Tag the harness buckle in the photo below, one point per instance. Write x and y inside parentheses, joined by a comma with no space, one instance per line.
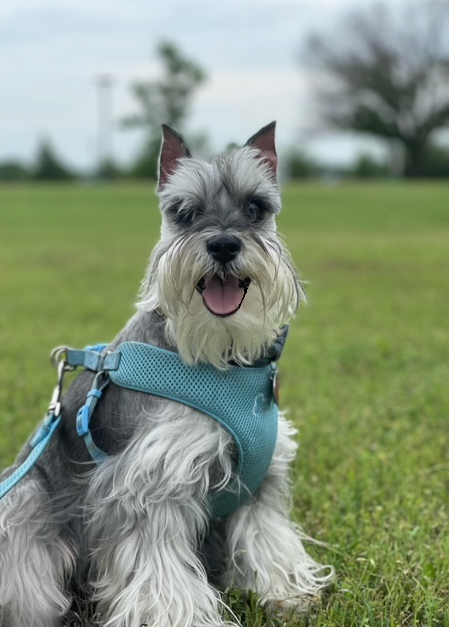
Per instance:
(82,420)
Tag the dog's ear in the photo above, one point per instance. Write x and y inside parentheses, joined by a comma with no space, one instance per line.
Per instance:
(264,142)
(173,148)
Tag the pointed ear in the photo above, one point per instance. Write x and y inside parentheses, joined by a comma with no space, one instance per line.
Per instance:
(173,148)
(264,142)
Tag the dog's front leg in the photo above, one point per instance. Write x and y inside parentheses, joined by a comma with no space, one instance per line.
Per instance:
(264,548)
(36,558)
(146,517)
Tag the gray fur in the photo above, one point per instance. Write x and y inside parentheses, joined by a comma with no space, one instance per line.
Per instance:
(136,528)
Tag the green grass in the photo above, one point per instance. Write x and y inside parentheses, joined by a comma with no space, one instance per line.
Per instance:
(365,373)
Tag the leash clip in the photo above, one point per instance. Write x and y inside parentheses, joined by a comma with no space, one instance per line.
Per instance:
(58,358)
(53,416)
(55,403)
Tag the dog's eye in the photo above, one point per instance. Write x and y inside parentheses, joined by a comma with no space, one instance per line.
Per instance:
(186,217)
(182,215)
(255,210)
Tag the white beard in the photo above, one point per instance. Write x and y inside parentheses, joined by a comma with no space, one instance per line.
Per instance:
(199,335)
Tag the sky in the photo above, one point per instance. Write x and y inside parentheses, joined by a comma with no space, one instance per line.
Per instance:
(52,53)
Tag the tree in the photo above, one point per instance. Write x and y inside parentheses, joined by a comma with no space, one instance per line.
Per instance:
(109,170)
(298,165)
(48,166)
(13,171)
(367,167)
(436,163)
(389,70)
(163,101)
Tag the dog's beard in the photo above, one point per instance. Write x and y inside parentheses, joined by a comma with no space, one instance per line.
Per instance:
(263,275)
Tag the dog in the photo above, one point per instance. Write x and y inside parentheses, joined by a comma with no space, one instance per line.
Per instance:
(138,528)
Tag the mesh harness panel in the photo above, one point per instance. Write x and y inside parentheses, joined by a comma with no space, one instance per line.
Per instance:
(239,398)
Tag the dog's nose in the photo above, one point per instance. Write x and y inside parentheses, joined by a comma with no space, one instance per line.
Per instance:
(224,248)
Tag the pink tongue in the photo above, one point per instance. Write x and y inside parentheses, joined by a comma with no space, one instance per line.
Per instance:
(223,297)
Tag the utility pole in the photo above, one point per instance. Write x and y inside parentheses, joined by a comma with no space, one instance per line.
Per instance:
(104,84)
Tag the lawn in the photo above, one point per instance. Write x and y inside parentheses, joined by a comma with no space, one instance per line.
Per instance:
(365,372)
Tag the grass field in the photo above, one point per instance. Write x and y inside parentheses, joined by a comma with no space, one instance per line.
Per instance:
(365,370)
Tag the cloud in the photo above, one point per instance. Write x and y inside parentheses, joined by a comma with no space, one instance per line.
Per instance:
(52,52)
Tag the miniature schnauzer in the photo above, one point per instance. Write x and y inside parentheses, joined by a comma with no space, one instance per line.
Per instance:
(137,527)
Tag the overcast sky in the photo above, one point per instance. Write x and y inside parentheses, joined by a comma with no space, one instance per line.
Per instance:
(52,51)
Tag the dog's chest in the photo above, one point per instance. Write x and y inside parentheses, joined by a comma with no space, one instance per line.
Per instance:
(240,399)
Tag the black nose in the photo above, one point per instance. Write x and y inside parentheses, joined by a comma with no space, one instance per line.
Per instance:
(224,248)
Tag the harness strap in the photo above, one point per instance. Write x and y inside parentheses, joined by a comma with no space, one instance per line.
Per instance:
(85,414)
(93,358)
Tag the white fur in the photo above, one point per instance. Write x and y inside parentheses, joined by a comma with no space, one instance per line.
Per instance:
(146,514)
(177,265)
(35,563)
(265,548)
(152,500)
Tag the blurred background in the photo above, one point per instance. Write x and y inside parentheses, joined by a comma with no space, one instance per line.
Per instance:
(359,89)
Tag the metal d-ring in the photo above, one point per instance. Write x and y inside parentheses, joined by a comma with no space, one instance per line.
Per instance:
(59,355)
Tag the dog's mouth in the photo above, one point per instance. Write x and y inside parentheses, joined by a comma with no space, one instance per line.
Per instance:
(223,296)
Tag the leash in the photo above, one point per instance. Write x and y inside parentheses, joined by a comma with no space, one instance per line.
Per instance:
(64,360)
(39,442)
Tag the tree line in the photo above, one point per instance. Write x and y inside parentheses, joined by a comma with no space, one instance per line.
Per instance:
(383,72)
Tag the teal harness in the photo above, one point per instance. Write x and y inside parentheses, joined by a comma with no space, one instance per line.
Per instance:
(241,399)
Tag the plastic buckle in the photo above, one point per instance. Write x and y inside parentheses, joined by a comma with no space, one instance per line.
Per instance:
(82,420)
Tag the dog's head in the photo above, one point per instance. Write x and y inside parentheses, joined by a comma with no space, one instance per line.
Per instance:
(220,274)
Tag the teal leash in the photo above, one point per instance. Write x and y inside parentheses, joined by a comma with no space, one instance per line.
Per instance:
(63,359)
(44,434)
(52,423)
